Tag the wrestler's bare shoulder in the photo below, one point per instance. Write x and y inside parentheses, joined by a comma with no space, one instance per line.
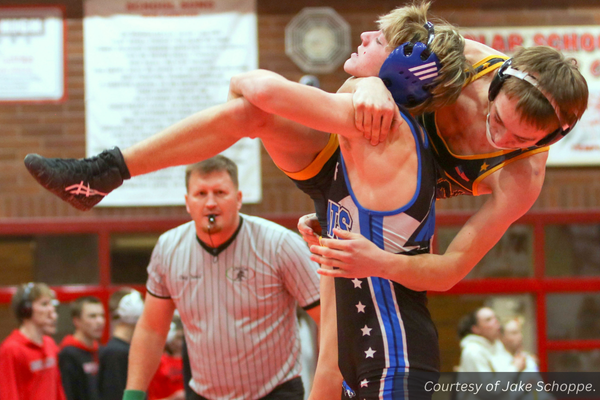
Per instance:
(476,51)
(526,173)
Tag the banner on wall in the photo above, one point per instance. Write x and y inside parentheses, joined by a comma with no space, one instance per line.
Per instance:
(581,147)
(32,67)
(149,64)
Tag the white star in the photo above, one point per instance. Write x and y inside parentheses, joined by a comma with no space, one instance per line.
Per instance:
(357,283)
(366,331)
(361,307)
(364,383)
(370,353)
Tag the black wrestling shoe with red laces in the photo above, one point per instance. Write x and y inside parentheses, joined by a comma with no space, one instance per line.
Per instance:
(80,182)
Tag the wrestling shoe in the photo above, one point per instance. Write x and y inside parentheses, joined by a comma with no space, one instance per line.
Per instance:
(80,182)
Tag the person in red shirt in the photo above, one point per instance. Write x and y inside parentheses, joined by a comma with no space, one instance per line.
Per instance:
(28,356)
(167,383)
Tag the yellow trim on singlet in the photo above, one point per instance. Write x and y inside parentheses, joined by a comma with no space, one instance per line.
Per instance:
(486,69)
(502,164)
(317,164)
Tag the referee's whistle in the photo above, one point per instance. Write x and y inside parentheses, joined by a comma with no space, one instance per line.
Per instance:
(211,220)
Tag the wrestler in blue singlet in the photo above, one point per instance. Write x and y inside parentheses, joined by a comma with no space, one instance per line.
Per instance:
(387,342)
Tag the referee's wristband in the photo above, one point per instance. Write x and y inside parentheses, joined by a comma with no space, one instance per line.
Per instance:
(134,395)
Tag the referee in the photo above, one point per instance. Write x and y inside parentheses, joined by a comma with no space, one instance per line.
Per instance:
(236,281)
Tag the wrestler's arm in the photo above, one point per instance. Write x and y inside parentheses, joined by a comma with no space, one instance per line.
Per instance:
(210,131)
(309,228)
(303,104)
(148,341)
(327,382)
(514,190)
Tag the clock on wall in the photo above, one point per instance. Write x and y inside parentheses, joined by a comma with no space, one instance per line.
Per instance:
(318,40)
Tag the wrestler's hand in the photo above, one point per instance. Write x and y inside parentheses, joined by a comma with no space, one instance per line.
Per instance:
(309,228)
(375,112)
(353,254)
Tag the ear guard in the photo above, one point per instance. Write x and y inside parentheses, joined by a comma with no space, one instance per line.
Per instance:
(24,308)
(409,70)
(505,72)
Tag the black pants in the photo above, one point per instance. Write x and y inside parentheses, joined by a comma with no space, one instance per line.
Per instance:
(290,390)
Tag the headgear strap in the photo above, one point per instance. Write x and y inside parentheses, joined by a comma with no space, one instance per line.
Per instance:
(524,76)
(409,70)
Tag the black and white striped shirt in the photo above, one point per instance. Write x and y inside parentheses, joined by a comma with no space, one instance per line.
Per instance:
(238,304)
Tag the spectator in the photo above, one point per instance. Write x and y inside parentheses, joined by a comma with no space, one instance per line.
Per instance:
(125,306)
(167,383)
(512,338)
(481,348)
(28,356)
(78,357)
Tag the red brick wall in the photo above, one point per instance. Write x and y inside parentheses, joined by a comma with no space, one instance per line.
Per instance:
(58,129)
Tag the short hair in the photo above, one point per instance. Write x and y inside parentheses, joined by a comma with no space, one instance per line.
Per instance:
(466,323)
(115,299)
(407,23)
(78,304)
(217,163)
(520,320)
(28,293)
(556,75)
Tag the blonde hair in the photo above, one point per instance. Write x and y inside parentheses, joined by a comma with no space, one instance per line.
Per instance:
(556,75)
(407,23)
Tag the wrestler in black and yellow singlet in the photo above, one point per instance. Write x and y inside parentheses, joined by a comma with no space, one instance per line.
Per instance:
(462,174)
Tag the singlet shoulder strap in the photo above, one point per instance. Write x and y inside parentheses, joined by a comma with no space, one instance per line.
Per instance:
(485,66)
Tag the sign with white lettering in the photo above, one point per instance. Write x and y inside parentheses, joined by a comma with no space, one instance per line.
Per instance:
(582,145)
(149,64)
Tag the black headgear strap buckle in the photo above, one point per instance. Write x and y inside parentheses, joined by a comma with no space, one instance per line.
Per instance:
(430,35)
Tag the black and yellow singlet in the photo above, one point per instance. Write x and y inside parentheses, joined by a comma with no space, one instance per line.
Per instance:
(462,174)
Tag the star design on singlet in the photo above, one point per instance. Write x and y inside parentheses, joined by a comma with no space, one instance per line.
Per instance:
(370,353)
(364,383)
(484,167)
(357,283)
(366,331)
(361,307)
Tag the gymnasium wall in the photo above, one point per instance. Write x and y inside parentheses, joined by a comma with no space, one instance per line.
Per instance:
(57,130)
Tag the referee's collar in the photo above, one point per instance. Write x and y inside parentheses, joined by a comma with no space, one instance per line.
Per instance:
(215,251)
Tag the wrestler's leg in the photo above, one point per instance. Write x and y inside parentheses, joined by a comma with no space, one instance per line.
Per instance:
(207,133)
(84,183)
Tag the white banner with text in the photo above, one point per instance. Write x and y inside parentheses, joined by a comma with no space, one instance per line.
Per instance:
(149,64)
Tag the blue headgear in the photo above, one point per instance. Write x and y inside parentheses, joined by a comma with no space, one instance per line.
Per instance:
(409,70)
